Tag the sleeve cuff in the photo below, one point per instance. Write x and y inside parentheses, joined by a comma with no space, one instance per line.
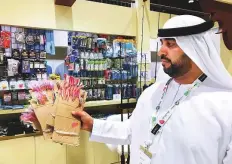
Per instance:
(97,129)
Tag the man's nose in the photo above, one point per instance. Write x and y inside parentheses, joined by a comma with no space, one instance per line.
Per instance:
(162,51)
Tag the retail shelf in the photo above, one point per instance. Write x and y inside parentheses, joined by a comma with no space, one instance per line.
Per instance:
(11,111)
(11,90)
(88,104)
(3,138)
(108,102)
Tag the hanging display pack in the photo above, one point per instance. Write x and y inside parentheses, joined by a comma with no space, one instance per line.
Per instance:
(6,39)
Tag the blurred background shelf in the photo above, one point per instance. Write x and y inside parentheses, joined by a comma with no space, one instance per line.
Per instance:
(88,104)
(11,111)
(108,102)
(3,138)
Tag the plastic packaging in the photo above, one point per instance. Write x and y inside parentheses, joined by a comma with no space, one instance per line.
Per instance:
(12,67)
(109,92)
(4,85)
(13,84)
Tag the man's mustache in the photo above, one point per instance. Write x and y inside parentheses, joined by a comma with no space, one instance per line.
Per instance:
(165,58)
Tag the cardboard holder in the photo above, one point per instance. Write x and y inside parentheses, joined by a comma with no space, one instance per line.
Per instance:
(56,120)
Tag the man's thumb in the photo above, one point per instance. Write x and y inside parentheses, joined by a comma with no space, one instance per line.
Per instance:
(78,113)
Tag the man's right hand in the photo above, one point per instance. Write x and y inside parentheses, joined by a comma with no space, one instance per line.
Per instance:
(86,120)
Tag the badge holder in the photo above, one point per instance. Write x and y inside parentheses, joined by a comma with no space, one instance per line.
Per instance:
(144,156)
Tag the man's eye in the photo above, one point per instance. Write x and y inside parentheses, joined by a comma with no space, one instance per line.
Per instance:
(171,44)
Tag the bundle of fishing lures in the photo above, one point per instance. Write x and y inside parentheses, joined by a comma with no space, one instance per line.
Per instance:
(51,105)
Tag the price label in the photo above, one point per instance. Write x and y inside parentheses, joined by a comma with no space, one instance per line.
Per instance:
(116,96)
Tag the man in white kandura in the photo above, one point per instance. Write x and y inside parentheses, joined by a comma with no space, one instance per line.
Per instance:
(187,119)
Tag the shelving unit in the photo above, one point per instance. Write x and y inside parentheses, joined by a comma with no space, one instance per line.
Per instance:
(10,111)
(88,104)
(3,138)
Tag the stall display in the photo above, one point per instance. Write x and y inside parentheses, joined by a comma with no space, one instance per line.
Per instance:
(102,63)
(52,104)
(22,59)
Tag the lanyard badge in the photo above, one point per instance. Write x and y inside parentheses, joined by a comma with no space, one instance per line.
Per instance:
(169,113)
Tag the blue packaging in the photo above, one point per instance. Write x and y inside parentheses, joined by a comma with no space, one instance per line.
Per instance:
(129,91)
(109,92)
(124,75)
(72,59)
(116,89)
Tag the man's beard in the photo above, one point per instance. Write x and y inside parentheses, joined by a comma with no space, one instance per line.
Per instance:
(179,68)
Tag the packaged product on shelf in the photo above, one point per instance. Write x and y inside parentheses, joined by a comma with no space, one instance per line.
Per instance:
(109,50)
(89,43)
(107,74)
(32,54)
(124,75)
(100,55)
(16,54)
(26,83)
(109,63)
(109,92)
(20,84)
(133,91)
(130,48)
(91,55)
(7,97)
(20,37)
(12,67)
(119,48)
(4,84)
(21,95)
(87,55)
(14,96)
(6,39)
(129,91)
(116,89)
(13,84)
(89,94)
(102,93)
(82,54)
(43,55)
(24,54)
(101,43)
(26,66)
(124,91)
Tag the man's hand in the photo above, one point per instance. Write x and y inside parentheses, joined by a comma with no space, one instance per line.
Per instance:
(86,120)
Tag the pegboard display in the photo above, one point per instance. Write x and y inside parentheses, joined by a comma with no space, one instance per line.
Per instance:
(22,59)
(107,65)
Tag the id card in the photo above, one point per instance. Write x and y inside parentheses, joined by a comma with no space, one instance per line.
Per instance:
(144,156)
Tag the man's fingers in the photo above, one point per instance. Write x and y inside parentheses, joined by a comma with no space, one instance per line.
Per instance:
(78,113)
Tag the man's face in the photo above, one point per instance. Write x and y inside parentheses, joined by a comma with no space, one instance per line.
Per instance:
(174,61)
